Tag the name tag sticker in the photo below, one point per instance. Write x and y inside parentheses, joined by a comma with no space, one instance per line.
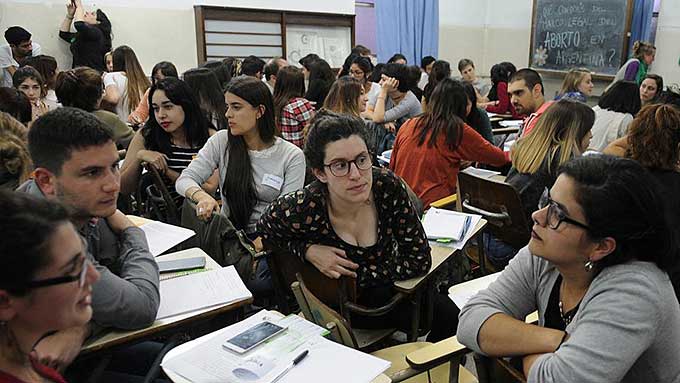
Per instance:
(272,180)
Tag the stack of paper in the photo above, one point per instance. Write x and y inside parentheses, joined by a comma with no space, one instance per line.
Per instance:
(208,361)
(461,293)
(163,237)
(481,173)
(446,224)
(511,123)
(386,156)
(201,290)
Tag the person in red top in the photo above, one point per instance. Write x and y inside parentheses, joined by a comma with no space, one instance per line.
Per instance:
(428,150)
(499,101)
(45,283)
(527,97)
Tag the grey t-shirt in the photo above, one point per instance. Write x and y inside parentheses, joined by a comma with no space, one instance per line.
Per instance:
(408,107)
(626,329)
(277,170)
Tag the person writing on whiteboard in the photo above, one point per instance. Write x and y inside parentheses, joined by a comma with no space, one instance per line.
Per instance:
(636,68)
(92,39)
(595,269)
(255,165)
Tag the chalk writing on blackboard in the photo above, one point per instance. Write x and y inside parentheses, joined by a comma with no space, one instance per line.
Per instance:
(586,34)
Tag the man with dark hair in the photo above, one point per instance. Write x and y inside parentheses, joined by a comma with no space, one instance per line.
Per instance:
(395,102)
(76,163)
(19,47)
(252,66)
(527,96)
(361,50)
(425,67)
(272,69)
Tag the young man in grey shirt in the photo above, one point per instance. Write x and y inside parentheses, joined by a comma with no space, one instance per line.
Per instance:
(76,163)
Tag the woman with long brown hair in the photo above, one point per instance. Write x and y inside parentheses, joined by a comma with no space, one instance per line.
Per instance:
(127,84)
(291,110)
(347,96)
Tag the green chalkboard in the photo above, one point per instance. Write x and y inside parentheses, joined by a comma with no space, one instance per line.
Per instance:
(569,34)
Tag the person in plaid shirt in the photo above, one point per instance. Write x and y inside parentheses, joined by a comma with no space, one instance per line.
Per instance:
(293,112)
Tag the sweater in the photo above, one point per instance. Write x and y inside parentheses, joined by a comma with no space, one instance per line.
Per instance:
(626,329)
(277,170)
(504,106)
(608,127)
(432,171)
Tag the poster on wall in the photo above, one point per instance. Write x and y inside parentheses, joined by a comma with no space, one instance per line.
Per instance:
(333,44)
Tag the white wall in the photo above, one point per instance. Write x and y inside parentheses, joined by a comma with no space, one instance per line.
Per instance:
(491,31)
(156,29)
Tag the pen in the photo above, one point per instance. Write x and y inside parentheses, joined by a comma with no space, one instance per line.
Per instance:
(295,362)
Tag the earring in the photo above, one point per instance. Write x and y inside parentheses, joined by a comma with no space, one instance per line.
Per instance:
(589,265)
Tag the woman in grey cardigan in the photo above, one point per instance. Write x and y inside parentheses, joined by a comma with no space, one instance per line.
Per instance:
(595,269)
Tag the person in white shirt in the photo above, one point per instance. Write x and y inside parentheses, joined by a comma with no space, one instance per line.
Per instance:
(19,47)
(614,113)
(425,67)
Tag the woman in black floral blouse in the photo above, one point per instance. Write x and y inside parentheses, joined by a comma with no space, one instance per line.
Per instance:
(354,220)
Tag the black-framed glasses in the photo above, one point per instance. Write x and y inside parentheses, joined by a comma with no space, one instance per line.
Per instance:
(65,279)
(555,213)
(341,168)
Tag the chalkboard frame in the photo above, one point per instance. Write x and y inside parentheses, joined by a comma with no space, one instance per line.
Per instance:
(596,76)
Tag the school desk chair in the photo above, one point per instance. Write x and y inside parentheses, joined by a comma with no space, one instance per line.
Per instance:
(499,203)
(413,362)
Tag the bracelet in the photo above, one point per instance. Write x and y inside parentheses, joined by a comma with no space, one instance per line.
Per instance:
(70,18)
(191,197)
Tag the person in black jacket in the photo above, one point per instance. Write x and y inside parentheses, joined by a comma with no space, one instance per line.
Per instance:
(92,39)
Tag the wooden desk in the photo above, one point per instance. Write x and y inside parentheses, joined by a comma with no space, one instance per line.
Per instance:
(118,337)
(382,378)
(440,254)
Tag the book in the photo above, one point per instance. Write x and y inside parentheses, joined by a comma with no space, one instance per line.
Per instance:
(446,224)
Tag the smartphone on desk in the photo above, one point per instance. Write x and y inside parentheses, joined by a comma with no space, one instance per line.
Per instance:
(248,339)
(181,264)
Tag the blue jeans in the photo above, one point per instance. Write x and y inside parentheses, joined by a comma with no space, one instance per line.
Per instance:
(498,252)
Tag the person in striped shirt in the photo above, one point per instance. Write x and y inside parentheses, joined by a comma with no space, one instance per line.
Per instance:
(172,136)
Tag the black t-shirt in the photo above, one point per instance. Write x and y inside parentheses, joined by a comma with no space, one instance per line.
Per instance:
(88,46)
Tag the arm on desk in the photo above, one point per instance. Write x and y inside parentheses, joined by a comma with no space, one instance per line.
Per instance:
(129,299)
(493,321)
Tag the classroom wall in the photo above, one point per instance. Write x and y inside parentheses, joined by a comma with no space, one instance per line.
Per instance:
(156,29)
(491,31)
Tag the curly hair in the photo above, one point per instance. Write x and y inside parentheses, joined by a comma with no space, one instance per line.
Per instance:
(654,136)
(14,158)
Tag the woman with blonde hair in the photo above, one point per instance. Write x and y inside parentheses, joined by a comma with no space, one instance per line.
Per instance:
(577,84)
(15,162)
(347,96)
(563,132)
(126,85)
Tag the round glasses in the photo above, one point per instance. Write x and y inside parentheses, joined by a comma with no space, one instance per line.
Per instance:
(80,277)
(555,213)
(341,168)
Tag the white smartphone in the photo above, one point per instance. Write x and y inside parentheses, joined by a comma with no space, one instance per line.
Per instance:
(181,264)
(248,339)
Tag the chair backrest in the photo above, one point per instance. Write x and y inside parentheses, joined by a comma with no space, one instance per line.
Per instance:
(499,203)
(316,311)
(164,205)
(285,267)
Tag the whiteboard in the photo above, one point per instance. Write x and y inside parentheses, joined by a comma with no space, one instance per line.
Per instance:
(333,44)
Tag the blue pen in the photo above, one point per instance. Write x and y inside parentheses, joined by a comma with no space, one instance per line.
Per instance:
(295,362)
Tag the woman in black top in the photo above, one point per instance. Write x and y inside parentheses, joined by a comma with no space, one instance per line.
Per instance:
(355,221)
(92,38)
(321,77)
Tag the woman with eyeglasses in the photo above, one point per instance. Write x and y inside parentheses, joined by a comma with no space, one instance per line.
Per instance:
(347,221)
(45,283)
(595,270)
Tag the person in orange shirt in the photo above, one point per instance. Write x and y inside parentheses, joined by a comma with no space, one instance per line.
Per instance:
(428,150)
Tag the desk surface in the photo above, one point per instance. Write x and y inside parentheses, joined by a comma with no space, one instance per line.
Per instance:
(439,256)
(116,337)
(382,378)
(478,284)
